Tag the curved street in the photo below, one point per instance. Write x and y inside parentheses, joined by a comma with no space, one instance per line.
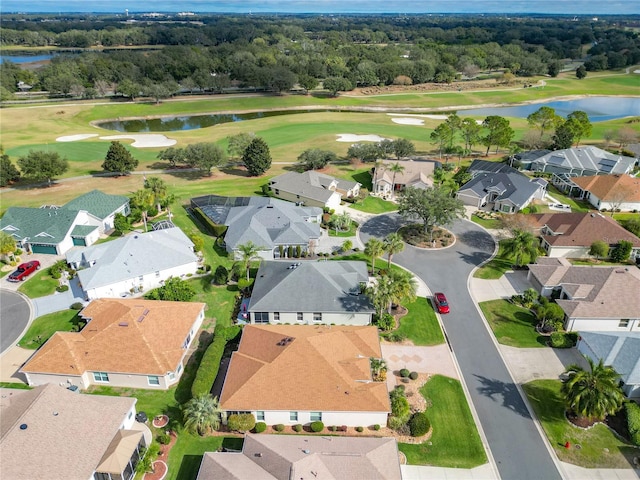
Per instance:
(14,317)
(516,445)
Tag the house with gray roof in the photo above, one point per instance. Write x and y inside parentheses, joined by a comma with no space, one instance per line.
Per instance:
(273,225)
(618,350)
(313,188)
(311,293)
(485,166)
(506,192)
(54,230)
(286,457)
(583,161)
(594,299)
(135,263)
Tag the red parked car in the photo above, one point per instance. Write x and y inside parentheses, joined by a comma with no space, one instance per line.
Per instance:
(441,302)
(24,270)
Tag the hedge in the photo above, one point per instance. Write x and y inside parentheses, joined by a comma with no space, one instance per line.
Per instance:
(260,427)
(317,426)
(279,427)
(419,424)
(633,421)
(213,228)
(241,422)
(210,364)
(563,340)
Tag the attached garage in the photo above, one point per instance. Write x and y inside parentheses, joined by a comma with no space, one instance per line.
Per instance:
(40,248)
(79,242)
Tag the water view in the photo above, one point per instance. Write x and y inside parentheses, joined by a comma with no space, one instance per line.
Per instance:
(24,58)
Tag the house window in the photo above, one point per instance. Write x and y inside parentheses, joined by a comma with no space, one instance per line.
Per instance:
(172,375)
(101,377)
(157,273)
(317,317)
(276,316)
(277,192)
(624,323)
(153,380)
(130,415)
(179,369)
(316,416)
(187,341)
(260,416)
(261,317)
(293,416)
(300,317)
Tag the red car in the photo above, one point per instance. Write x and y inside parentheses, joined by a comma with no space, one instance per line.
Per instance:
(24,270)
(441,302)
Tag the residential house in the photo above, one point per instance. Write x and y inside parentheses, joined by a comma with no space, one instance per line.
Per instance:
(52,432)
(131,343)
(593,298)
(606,192)
(135,263)
(619,350)
(286,457)
(311,293)
(502,192)
(416,174)
(485,166)
(269,223)
(54,230)
(571,235)
(587,160)
(524,159)
(313,189)
(297,374)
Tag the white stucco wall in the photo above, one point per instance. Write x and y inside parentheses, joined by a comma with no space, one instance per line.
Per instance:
(624,206)
(350,419)
(601,325)
(327,318)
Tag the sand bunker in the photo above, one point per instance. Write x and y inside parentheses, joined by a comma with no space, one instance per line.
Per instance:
(144,140)
(348,137)
(76,138)
(408,121)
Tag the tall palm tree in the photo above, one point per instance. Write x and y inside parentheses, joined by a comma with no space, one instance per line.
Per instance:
(7,245)
(158,189)
(380,294)
(522,245)
(403,287)
(393,243)
(373,248)
(248,252)
(202,414)
(395,168)
(143,200)
(592,393)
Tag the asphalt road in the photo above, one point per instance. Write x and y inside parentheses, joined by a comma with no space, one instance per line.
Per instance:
(516,445)
(14,317)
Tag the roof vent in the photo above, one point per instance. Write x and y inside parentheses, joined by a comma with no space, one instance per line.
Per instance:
(257,454)
(123,324)
(306,451)
(24,426)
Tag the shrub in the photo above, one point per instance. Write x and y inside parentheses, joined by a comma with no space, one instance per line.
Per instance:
(297,428)
(376,427)
(279,427)
(359,429)
(404,373)
(152,212)
(419,424)
(62,288)
(563,340)
(221,275)
(241,422)
(208,369)
(396,423)
(317,426)
(77,306)
(633,421)
(163,439)
(385,322)
(260,427)
(413,375)
(395,337)
(400,407)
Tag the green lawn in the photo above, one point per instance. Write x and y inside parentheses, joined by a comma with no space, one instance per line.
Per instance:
(220,300)
(19,386)
(45,326)
(374,205)
(152,402)
(186,455)
(420,324)
(39,284)
(455,442)
(512,325)
(599,447)
(497,266)
(348,233)
(490,223)
(576,205)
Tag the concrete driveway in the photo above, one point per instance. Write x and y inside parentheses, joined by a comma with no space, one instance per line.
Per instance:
(59,300)
(435,359)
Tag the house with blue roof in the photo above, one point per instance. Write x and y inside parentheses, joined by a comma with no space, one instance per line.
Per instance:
(55,230)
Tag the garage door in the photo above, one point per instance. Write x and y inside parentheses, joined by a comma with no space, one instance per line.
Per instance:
(79,241)
(50,249)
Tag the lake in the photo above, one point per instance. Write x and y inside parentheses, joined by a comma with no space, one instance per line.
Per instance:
(598,108)
(25,58)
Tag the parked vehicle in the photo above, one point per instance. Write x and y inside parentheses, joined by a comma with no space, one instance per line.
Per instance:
(24,270)
(441,302)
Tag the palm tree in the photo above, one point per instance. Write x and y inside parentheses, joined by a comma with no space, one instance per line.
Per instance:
(592,393)
(373,248)
(378,365)
(248,252)
(395,168)
(521,245)
(143,200)
(202,414)
(380,294)
(7,245)
(393,243)
(158,189)
(402,287)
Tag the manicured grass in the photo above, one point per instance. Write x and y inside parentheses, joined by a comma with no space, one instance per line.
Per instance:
(512,325)
(375,205)
(624,216)
(420,324)
(490,223)
(45,326)
(577,206)
(455,442)
(4,273)
(497,266)
(152,402)
(599,446)
(39,284)
(220,300)
(348,233)
(186,455)
(18,386)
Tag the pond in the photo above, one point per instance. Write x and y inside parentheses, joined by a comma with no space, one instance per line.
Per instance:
(598,108)
(18,59)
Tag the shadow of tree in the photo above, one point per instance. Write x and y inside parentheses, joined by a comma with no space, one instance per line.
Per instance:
(478,239)
(511,398)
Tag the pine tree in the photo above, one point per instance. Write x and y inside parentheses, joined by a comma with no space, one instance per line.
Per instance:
(257,157)
(119,160)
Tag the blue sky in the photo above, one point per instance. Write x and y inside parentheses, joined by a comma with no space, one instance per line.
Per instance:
(571,7)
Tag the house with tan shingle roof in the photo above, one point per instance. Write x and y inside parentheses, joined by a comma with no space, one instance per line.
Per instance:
(592,298)
(606,192)
(126,343)
(51,432)
(416,174)
(570,235)
(297,374)
(286,457)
